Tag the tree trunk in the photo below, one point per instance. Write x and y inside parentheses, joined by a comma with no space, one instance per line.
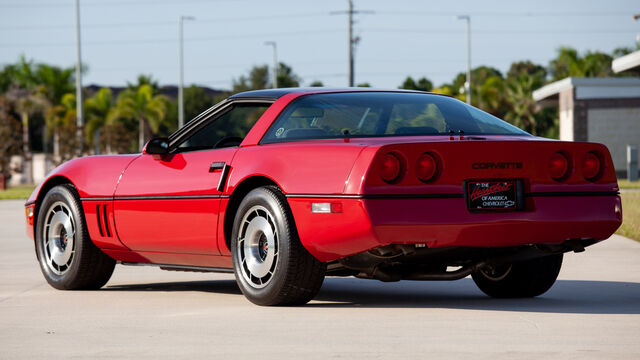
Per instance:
(56,146)
(145,132)
(141,133)
(96,141)
(107,140)
(27,165)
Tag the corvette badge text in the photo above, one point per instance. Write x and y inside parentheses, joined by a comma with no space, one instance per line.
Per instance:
(496,165)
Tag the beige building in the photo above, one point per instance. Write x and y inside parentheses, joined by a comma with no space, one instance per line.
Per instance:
(603,110)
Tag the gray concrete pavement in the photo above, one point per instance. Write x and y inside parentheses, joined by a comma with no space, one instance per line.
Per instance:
(592,312)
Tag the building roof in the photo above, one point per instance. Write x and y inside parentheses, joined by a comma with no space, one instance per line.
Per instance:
(591,88)
(627,62)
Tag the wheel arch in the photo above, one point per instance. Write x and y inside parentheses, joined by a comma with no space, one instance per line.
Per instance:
(239,192)
(49,184)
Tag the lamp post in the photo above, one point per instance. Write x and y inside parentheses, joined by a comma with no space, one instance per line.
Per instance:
(79,114)
(468,82)
(275,62)
(180,83)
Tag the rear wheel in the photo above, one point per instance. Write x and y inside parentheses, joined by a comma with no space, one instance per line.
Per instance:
(520,279)
(68,258)
(270,264)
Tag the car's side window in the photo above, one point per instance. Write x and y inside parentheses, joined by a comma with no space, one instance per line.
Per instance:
(226,130)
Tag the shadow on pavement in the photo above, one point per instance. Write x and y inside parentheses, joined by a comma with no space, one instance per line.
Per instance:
(214,286)
(566,296)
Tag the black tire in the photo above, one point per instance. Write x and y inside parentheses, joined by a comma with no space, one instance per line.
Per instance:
(270,264)
(68,262)
(521,279)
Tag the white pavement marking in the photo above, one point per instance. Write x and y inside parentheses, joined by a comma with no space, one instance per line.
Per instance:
(592,312)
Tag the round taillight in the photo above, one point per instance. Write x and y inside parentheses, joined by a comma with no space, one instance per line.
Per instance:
(390,168)
(590,166)
(558,166)
(426,167)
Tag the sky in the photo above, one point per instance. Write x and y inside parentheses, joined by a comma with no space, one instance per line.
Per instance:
(398,38)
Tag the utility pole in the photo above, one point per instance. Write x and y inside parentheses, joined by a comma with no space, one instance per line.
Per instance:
(181,66)
(79,113)
(351,44)
(353,41)
(468,82)
(275,62)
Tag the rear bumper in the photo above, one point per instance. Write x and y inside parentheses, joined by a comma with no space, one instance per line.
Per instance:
(369,223)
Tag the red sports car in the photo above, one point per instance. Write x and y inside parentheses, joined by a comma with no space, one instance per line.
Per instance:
(284,186)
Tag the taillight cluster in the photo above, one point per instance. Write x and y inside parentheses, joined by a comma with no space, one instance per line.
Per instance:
(560,166)
(391,167)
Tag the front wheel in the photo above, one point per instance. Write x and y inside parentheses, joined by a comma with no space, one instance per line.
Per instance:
(69,260)
(270,264)
(527,278)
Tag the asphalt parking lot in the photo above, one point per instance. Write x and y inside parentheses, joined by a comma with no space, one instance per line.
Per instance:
(593,311)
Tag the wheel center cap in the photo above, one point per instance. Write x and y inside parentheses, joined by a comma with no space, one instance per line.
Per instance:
(263,247)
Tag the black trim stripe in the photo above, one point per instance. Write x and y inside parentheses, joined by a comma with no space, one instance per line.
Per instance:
(167,197)
(155,197)
(96,198)
(377,196)
(324,196)
(572,193)
(347,196)
(29,203)
(446,196)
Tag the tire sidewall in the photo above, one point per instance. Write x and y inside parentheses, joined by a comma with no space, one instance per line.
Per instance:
(266,198)
(60,194)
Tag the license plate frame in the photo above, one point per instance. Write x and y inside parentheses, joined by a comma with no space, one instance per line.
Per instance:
(494,195)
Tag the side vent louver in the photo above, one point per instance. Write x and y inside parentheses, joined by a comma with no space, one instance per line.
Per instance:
(106,220)
(101,214)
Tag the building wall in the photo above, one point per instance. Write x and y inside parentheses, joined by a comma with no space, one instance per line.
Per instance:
(565,106)
(41,167)
(615,127)
(566,125)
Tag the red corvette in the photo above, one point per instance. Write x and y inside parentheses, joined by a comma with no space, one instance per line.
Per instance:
(285,186)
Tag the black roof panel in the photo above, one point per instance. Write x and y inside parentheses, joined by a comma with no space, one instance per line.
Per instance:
(277,93)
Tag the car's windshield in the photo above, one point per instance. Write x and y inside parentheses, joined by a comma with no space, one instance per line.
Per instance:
(375,114)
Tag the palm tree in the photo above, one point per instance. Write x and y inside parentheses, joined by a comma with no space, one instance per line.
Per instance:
(56,81)
(61,120)
(98,110)
(570,63)
(148,109)
(523,107)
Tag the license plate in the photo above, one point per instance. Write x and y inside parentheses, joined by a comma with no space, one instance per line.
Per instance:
(493,195)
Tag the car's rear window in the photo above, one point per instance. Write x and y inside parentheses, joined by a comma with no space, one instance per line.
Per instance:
(375,114)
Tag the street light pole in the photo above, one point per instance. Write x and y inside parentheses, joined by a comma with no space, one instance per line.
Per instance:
(180,82)
(79,113)
(468,83)
(351,44)
(275,62)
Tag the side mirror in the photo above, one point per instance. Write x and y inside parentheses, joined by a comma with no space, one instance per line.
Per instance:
(157,146)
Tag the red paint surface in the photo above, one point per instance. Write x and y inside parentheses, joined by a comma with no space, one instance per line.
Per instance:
(171,225)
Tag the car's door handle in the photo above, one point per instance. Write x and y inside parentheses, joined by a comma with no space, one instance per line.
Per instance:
(216,166)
